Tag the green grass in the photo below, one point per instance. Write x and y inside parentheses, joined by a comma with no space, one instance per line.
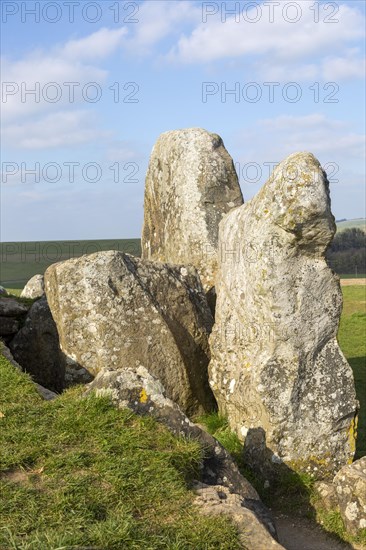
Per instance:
(332,522)
(21,260)
(78,472)
(218,426)
(352,339)
(14,291)
(354,301)
(293,493)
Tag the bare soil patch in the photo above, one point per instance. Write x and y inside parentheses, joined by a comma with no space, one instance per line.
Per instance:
(350,282)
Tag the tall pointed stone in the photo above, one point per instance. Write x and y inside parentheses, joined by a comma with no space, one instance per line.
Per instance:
(190,184)
(276,369)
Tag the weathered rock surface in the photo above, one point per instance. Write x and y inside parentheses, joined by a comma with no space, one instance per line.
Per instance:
(327,494)
(34,288)
(44,392)
(114,310)
(10,307)
(8,326)
(277,370)
(141,392)
(217,500)
(36,347)
(350,483)
(190,184)
(12,314)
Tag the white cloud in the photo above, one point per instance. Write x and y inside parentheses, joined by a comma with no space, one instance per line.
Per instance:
(122,151)
(36,72)
(322,136)
(339,149)
(271,140)
(352,65)
(68,63)
(63,80)
(95,46)
(60,129)
(280,48)
(158,20)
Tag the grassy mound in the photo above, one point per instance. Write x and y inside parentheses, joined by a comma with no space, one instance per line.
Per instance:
(78,473)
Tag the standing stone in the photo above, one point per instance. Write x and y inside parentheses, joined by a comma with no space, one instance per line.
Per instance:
(114,310)
(190,184)
(277,370)
(34,288)
(350,483)
(36,348)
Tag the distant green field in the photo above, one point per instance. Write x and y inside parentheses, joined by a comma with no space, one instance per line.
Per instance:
(360,223)
(21,260)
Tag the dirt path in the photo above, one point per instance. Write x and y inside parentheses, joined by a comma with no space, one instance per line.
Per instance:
(302,534)
(350,282)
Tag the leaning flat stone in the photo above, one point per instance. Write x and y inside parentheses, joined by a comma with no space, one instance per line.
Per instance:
(114,310)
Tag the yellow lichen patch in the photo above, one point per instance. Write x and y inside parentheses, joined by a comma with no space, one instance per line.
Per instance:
(315,466)
(352,437)
(143,396)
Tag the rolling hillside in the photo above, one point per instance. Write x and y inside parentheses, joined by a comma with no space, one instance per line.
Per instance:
(360,223)
(21,260)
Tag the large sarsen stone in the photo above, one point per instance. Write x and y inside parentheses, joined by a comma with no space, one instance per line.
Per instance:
(277,370)
(115,310)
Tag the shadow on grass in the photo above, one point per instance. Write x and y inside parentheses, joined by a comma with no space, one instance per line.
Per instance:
(288,493)
(285,491)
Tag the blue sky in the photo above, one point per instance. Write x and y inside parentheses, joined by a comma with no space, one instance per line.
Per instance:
(111,76)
